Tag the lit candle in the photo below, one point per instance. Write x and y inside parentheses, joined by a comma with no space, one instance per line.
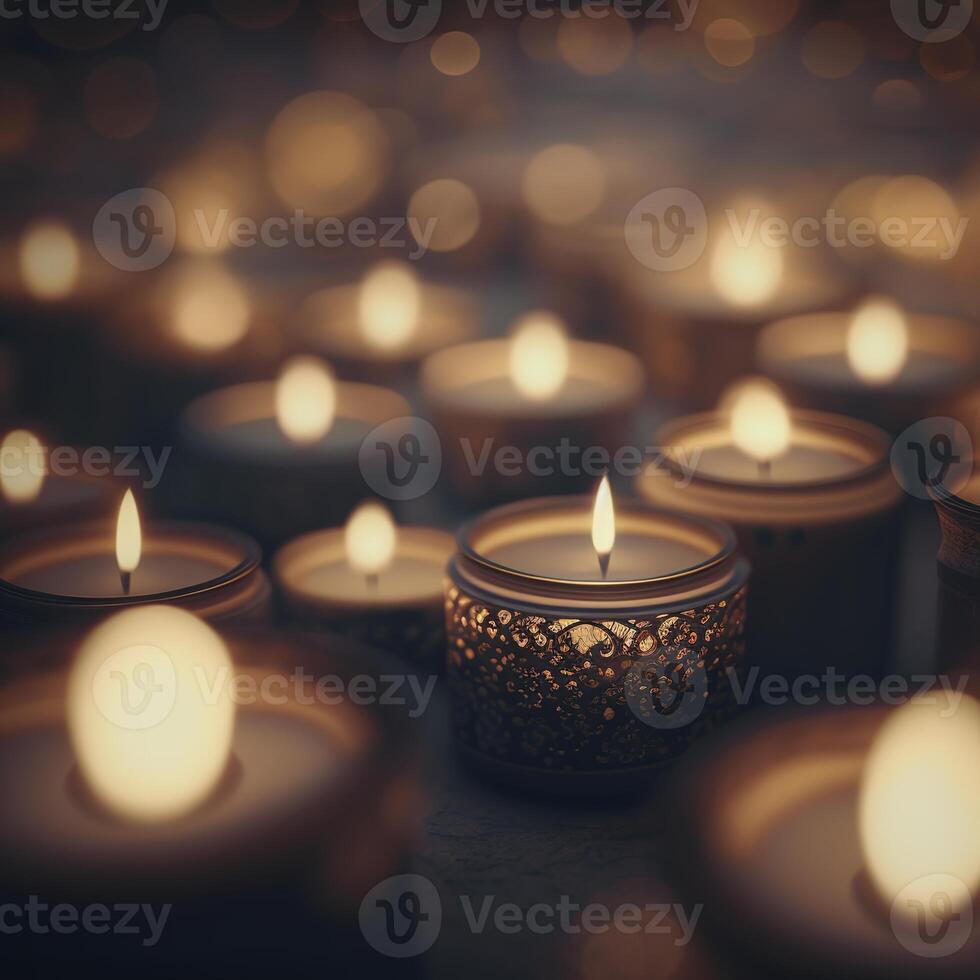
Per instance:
(191,767)
(696,327)
(31,497)
(387,322)
(875,810)
(81,570)
(371,580)
(573,626)
(295,441)
(816,510)
(537,388)
(877,362)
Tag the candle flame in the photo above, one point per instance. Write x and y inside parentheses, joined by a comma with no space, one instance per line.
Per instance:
(539,356)
(129,535)
(388,305)
(746,275)
(760,422)
(49,260)
(878,341)
(920,801)
(210,308)
(161,759)
(370,538)
(603,522)
(22,468)
(306,399)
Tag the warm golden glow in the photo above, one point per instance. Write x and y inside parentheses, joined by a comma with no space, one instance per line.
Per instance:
(455,53)
(729,42)
(210,308)
(920,797)
(129,535)
(49,261)
(760,422)
(539,356)
(564,184)
(22,468)
(447,212)
(150,712)
(370,538)
(745,274)
(306,399)
(878,341)
(603,520)
(388,304)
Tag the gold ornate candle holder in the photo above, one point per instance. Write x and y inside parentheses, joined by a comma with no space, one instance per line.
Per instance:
(958,636)
(583,687)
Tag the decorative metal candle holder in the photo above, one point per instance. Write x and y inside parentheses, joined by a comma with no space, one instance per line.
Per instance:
(958,637)
(823,550)
(233,585)
(570,686)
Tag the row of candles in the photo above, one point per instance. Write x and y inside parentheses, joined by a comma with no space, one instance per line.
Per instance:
(559,612)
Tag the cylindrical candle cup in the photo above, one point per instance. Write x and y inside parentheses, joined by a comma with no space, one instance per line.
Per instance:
(567,682)
(821,530)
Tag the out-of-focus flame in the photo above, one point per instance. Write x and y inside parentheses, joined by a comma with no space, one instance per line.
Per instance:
(746,275)
(150,737)
(22,468)
(129,535)
(210,309)
(920,800)
(306,399)
(878,341)
(388,305)
(370,538)
(49,260)
(539,356)
(759,420)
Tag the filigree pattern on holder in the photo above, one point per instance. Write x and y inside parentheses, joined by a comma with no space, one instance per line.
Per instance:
(565,694)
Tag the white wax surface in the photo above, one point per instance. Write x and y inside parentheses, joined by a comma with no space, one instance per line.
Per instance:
(96,576)
(923,370)
(408,579)
(285,761)
(799,464)
(263,439)
(500,396)
(572,557)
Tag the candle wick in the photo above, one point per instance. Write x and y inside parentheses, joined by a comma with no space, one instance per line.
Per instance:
(765,469)
(126,578)
(604,563)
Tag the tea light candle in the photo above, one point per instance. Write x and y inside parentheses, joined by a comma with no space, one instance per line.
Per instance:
(31,498)
(277,458)
(371,580)
(577,629)
(388,322)
(877,363)
(696,328)
(81,571)
(873,809)
(196,794)
(958,635)
(816,510)
(537,388)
